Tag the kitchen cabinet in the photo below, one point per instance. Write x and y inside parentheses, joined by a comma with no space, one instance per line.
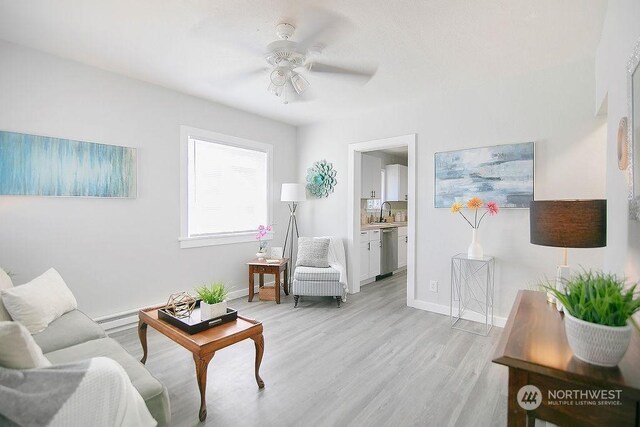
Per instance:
(397,183)
(403,240)
(374,253)
(371,182)
(364,255)
(369,254)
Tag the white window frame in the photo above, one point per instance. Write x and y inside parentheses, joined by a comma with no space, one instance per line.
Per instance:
(187,132)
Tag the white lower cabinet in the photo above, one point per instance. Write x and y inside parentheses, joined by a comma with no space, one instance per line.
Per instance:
(374,257)
(364,258)
(369,254)
(403,240)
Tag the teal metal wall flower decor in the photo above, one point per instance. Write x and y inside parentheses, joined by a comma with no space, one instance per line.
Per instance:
(321,179)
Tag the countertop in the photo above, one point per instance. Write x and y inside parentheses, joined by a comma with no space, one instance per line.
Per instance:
(379,225)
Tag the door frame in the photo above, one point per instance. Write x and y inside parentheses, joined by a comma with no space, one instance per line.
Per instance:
(353,207)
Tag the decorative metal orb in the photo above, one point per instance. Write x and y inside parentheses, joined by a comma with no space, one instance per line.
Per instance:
(321,179)
(181,304)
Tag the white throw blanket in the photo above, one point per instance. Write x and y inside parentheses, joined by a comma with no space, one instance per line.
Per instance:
(337,260)
(95,392)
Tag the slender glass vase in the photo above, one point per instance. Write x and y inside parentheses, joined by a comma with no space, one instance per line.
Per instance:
(475,250)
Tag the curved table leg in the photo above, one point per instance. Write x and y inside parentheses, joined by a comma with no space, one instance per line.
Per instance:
(142,334)
(202,362)
(259,342)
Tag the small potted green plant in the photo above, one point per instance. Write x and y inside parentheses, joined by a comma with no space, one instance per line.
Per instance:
(214,303)
(598,316)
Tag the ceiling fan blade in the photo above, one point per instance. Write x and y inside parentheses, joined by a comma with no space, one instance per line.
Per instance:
(362,73)
(321,27)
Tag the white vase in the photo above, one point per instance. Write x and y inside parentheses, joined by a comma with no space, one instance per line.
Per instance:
(596,344)
(261,255)
(475,250)
(209,311)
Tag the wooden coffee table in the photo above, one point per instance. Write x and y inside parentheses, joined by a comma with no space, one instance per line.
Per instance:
(204,344)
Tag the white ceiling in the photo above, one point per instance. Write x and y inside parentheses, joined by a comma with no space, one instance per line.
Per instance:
(199,46)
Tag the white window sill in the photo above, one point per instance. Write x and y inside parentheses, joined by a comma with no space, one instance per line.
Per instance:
(223,239)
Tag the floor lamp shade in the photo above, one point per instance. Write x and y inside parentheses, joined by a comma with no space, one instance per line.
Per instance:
(292,192)
(569,223)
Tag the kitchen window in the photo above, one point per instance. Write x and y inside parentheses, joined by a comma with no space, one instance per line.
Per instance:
(226,187)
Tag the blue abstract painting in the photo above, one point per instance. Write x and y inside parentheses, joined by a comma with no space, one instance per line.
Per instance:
(502,173)
(41,166)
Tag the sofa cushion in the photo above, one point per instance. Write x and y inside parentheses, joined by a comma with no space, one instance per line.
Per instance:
(5,283)
(152,391)
(18,349)
(313,252)
(316,274)
(71,328)
(39,302)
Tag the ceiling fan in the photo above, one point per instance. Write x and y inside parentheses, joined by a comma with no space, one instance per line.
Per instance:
(289,59)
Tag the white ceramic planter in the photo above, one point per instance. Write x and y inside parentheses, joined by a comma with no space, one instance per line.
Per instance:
(209,311)
(261,255)
(596,344)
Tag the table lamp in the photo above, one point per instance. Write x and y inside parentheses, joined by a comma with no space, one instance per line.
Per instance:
(292,193)
(568,224)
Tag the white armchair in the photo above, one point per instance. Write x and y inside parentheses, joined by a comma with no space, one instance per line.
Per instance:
(320,269)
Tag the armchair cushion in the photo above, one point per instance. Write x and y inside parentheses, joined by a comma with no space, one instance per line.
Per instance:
(313,252)
(315,274)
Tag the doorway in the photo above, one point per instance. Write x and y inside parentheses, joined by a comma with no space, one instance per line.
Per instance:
(354,208)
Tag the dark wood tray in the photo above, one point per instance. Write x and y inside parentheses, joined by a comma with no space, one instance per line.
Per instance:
(193,324)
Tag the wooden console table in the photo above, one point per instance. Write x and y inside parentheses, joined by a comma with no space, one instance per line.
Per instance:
(204,344)
(534,347)
(262,267)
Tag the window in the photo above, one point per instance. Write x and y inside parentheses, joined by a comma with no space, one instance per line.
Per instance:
(225,188)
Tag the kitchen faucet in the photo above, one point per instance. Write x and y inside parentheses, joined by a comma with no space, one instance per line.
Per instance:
(382,208)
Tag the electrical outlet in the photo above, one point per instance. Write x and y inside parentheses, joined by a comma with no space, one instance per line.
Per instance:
(433,286)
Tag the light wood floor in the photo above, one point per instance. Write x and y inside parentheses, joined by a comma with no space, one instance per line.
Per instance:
(372,362)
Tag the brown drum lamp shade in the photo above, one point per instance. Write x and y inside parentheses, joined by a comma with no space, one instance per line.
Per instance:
(569,223)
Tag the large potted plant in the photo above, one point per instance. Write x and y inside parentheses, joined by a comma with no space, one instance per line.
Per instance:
(598,314)
(214,303)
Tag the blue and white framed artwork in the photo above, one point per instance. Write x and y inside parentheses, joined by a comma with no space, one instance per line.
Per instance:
(501,173)
(32,165)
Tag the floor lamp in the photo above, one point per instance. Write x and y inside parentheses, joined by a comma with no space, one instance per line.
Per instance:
(292,193)
(568,224)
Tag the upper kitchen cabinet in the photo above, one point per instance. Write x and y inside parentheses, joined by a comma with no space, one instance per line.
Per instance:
(397,186)
(371,177)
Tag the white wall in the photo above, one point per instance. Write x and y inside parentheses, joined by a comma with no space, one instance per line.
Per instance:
(118,255)
(553,107)
(620,33)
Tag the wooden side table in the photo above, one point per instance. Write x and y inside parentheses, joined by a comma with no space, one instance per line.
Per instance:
(562,389)
(262,267)
(204,344)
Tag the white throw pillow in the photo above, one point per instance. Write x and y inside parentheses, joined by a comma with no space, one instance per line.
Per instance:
(313,252)
(39,302)
(5,283)
(19,350)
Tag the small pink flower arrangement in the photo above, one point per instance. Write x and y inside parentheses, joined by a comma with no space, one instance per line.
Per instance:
(475,203)
(262,232)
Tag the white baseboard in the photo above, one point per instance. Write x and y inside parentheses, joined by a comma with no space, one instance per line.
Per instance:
(498,321)
(129,319)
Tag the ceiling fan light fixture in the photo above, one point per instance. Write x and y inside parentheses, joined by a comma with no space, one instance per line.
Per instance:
(275,90)
(280,75)
(299,83)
